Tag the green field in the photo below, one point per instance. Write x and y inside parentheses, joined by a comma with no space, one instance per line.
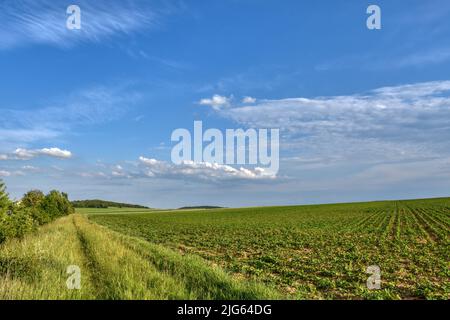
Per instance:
(312,252)
(302,252)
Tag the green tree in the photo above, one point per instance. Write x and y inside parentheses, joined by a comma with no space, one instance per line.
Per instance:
(56,204)
(4,198)
(50,204)
(32,203)
(33,199)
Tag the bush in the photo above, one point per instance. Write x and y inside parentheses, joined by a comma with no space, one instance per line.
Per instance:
(39,215)
(17,223)
(35,208)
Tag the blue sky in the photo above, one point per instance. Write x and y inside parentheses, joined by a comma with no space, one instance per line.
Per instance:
(364,114)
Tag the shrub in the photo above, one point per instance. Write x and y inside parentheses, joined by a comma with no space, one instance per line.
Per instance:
(17,223)
(35,208)
(39,215)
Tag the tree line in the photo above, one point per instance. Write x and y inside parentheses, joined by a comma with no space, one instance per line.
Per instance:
(33,210)
(102,204)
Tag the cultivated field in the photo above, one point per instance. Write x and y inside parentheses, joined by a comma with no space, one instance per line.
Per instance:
(303,252)
(313,252)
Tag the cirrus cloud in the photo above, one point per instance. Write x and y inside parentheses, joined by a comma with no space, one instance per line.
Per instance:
(44,22)
(90,106)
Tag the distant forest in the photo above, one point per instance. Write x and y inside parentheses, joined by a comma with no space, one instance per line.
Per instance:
(200,207)
(104,204)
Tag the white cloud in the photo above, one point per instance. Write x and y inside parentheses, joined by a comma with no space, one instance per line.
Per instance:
(55,152)
(216,102)
(248,100)
(25,154)
(93,175)
(30,168)
(203,171)
(4,173)
(381,109)
(44,21)
(404,120)
(119,172)
(109,172)
(3,157)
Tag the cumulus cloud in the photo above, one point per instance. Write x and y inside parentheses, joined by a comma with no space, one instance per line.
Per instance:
(119,172)
(203,171)
(25,154)
(216,102)
(248,100)
(188,170)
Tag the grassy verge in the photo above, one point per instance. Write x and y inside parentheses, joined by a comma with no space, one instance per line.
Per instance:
(35,267)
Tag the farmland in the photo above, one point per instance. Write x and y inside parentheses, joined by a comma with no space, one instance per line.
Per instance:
(299,252)
(311,252)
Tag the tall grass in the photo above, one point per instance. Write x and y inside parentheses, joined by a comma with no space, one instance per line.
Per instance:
(35,267)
